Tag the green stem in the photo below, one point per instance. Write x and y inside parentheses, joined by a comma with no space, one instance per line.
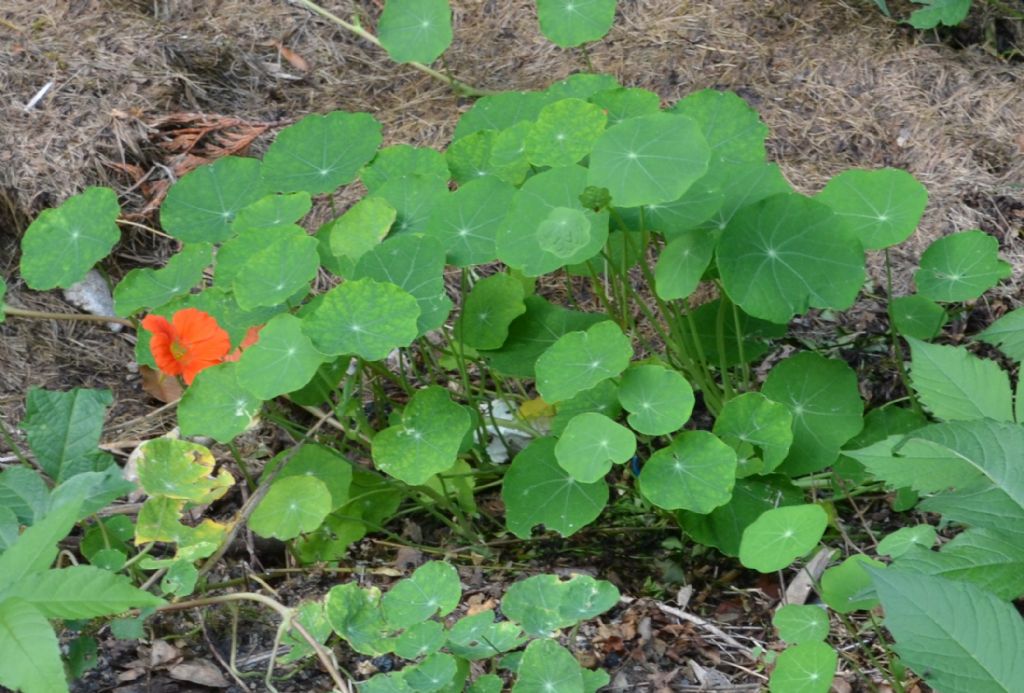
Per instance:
(83,317)
(894,338)
(456,84)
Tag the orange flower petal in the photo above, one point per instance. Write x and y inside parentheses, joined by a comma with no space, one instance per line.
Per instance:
(160,341)
(189,343)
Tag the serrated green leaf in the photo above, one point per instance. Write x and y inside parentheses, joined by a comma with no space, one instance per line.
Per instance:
(590,444)
(823,398)
(696,472)
(63,243)
(273,211)
(989,559)
(954,384)
(427,440)
(401,160)
(283,360)
(842,585)
(466,222)
(90,491)
(682,263)
(800,623)
(181,470)
(954,635)
(292,506)
(648,160)
(149,288)
(547,666)
(277,272)
(787,253)
(488,310)
(201,206)
(564,132)
(781,535)
(320,152)
(659,400)
(415,30)
(215,405)
(1007,333)
(883,206)
(29,650)
(363,317)
(36,548)
(805,668)
(23,492)
(569,23)
(580,360)
(63,429)
(935,12)
(918,317)
(751,423)
(537,491)
(433,588)
(79,592)
(960,267)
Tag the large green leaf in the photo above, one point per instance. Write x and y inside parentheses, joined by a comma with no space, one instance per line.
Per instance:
(1007,333)
(320,152)
(787,253)
(63,243)
(283,360)
(277,272)
(201,206)
(23,492)
(29,650)
(590,444)
(954,635)
(357,232)
(682,263)
(79,592)
(542,604)
(64,428)
(216,405)
(696,472)
(827,411)
(537,491)
(569,23)
(580,360)
(918,317)
(479,636)
(621,103)
(659,400)
(467,221)
(414,198)
(415,30)
(181,470)
(781,535)
(883,207)
(694,209)
(798,623)
(954,384)
(235,253)
(960,267)
(355,614)
(363,317)
(648,160)
(742,185)
(149,288)
(273,211)
(991,560)
(732,128)
(488,310)
(564,132)
(805,668)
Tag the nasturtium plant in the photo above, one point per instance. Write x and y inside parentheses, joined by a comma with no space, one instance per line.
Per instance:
(580,360)
(590,444)
(216,405)
(696,472)
(149,288)
(781,535)
(569,23)
(488,311)
(882,207)
(799,623)
(658,399)
(761,432)
(415,30)
(202,205)
(363,317)
(292,506)
(842,585)
(918,317)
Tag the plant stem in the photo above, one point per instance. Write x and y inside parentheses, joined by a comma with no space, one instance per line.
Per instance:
(456,84)
(894,338)
(84,317)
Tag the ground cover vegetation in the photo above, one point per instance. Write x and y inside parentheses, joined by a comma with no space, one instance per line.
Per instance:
(570,306)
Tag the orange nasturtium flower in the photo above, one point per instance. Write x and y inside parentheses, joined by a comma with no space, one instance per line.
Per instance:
(191,341)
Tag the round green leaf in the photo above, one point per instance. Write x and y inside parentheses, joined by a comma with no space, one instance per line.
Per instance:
(918,317)
(805,668)
(842,585)
(800,623)
(215,405)
(659,400)
(682,263)
(905,539)
(537,491)
(580,360)
(508,160)
(355,614)
(564,233)
(564,132)
(358,231)
(401,160)
(420,639)
(293,505)
(697,206)
(827,410)
(751,423)
(470,157)
(233,255)
(272,275)
(488,310)
(501,111)
(63,243)
(542,604)
(732,128)
(202,205)
(882,207)
(433,588)
(590,444)
(960,267)
(466,222)
(696,472)
(363,317)
(648,160)
(324,465)
(621,103)
(781,535)
(427,440)
(283,360)
(546,666)
(415,30)
(149,288)
(742,185)
(273,211)
(435,672)
(320,152)
(786,253)
(414,199)
(569,23)
(480,637)
(180,470)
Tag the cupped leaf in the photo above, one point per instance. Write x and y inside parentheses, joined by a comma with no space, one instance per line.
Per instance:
(180,470)
(292,506)
(682,263)
(781,535)
(201,206)
(273,211)
(658,400)
(63,243)
(564,132)
(827,410)
(918,317)
(590,444)
(580,360)
(569,23)
(283,360)
(489,308)
(696,472)
(358,231)
(401,160)
(537,491)
(63,429)
(787,253)
(275,273)
(648,160)
(954,384)
(842,586)
(427,440)
(216,405)
(415,30)
(954,635)
(466,222)
(1007,333)
(799,623)
(805,668)
(754,425)
(883,207)
(960,267)
(320,152)
(432,589)
(363,317)
(149,288)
